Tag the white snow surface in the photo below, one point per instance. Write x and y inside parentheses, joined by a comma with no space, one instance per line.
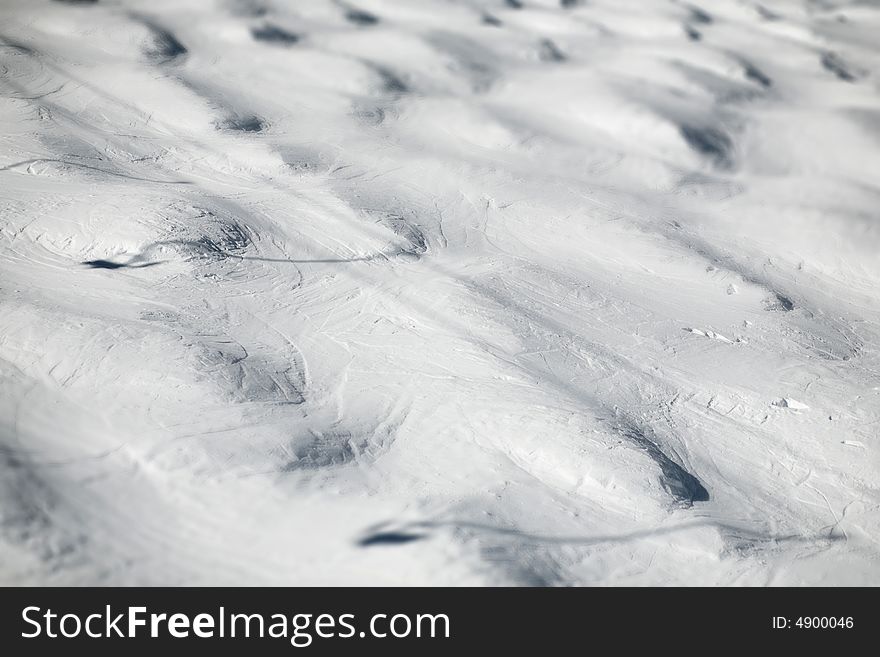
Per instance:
(439,292)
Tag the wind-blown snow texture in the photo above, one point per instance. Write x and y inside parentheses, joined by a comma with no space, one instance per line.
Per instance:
(439,292)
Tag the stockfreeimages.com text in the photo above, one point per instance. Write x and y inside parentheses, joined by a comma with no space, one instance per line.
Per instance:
(299,629)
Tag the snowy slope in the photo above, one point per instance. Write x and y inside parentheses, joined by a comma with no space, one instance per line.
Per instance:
(439,292)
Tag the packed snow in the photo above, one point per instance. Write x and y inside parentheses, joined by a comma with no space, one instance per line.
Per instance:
(439,292)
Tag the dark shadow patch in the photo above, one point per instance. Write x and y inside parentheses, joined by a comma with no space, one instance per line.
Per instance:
(248,374)
(109,264)
(867,119)
(570,4)
(28,501)
(683,486)
(216,238)
(29,507)
(165,47)
(389,538)
(17,46)
(360,17)
(104,264)
(514,4)
(228,236)
(779,302)
(700,16)
(471,60)
(833,63)
(722,88)
(756,75)
(77,2)
(523,564)
(766,14)
(370,115)
(677,481)
(274,35)
(303,158)
(250,8)
(326,450)
(550,52)
(415,243)
(391,83)
(243,124)
(776,300)
(489,19)
(692,33)
(709,142)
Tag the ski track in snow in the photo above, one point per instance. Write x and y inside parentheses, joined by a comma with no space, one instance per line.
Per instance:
(439,292)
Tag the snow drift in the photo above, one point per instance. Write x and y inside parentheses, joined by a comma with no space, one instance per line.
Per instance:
(439,292)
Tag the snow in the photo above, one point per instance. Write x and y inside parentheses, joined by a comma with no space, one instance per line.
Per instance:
(419,292)
(787,402)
